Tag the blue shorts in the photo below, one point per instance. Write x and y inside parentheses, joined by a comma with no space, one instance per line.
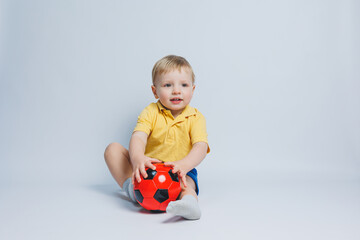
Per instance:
(193,174)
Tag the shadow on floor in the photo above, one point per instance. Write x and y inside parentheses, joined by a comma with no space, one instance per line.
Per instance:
(118,195)
(125,203)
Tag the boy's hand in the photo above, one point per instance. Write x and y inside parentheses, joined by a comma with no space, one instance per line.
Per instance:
(194,158)
(180,168)
(139,165)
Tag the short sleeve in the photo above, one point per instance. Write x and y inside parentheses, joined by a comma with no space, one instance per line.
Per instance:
(144,122)
(198,131)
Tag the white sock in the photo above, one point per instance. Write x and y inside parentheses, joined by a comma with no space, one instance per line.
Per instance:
(187,207)
(128,188)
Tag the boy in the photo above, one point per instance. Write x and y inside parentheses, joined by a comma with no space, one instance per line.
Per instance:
(168,131)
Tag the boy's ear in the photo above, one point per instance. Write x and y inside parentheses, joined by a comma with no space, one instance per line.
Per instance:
(153,88)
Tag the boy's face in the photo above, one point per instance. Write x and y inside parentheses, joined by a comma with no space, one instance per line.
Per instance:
(174,89)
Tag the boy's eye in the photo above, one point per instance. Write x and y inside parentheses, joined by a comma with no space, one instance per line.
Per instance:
(167,85)
(185,85)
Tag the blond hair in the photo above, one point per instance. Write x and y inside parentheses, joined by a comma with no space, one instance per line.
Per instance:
(169,63)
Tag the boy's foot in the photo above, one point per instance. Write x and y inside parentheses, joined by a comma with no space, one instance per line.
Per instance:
(187,207)
(128,188)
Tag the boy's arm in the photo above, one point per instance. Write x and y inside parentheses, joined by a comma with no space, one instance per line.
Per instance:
(194,158)
(138,159)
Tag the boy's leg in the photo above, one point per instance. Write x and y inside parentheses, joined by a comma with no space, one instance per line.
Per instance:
(187,207)
(190,190)
(118,161)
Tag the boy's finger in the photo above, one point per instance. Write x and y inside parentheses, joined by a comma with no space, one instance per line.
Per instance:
(143,172)
(137,176)
(174,170)
(134,179)
(183,178)
(150,165)
(155,160)
(169,164)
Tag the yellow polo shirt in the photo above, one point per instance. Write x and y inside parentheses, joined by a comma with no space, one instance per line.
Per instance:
(171,139)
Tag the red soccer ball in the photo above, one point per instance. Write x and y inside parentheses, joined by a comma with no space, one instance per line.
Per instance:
(157,190)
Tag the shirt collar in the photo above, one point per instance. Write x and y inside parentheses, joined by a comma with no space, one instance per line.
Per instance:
(188,111)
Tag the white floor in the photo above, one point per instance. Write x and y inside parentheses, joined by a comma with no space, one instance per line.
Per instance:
(289,208)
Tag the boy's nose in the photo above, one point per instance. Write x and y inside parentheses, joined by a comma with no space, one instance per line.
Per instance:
(176,90)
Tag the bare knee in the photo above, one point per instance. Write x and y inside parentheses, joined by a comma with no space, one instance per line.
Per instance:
(114,149)
(190,189)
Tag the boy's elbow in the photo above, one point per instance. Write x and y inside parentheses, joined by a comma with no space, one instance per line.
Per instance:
(202,146)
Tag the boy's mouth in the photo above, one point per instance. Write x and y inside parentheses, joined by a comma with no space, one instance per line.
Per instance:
(175,100)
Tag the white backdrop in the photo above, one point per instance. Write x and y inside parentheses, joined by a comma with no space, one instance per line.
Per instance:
(278,82)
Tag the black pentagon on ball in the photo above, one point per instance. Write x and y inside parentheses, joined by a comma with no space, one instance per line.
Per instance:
(173,176)
(161,195)
(151,174)
(139,197)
